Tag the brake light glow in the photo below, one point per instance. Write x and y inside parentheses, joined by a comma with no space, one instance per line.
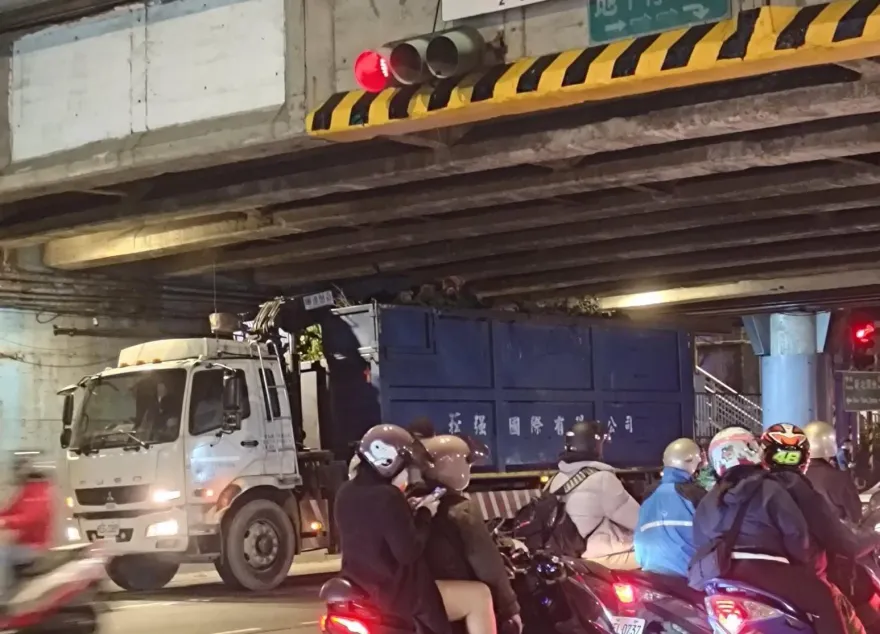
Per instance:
(730,613)
(625,593)
(343,625)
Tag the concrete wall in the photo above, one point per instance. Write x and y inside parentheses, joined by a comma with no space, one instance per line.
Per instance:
(144,68)
(157,83)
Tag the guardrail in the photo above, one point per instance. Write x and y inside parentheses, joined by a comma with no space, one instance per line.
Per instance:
(720,406)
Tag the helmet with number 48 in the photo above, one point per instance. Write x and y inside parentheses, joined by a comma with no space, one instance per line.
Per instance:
(785,446)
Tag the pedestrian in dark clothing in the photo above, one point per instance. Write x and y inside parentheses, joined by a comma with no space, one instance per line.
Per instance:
(382,539)
(772,549)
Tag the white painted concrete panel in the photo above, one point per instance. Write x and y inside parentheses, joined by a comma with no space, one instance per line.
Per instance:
(72,84)
(556,26)
(367,24)
(213,58)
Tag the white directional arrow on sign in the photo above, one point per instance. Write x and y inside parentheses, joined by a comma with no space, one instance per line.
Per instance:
(616,26)
(698,10)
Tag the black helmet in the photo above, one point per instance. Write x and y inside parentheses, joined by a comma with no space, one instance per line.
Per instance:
(585,437)
(785,446)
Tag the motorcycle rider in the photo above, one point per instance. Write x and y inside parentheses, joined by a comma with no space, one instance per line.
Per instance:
(827,478)
(460,546)
(604,513)
(664,536)
(26,520)
(787,454)
(772,548)
(383,539)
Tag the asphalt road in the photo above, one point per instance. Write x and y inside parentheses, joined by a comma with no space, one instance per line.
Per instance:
(210,608)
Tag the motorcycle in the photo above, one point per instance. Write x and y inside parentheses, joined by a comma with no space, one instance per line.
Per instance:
(552,599)
(735,607)
(57,593)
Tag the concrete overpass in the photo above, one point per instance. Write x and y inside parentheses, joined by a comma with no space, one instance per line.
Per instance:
(189,155)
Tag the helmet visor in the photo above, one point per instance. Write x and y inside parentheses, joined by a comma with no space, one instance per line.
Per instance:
(478,450)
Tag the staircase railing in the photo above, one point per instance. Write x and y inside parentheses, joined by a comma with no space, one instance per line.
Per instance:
(720,406)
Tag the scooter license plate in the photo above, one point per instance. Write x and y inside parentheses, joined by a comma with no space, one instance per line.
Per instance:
(111,529)
(628,625)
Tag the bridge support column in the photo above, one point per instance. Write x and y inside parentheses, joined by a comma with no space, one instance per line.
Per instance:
(790,347)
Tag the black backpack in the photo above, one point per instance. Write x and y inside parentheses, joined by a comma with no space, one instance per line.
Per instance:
(544,524)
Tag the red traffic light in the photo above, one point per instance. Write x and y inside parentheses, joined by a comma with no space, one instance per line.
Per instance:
(864,333)
(371,71)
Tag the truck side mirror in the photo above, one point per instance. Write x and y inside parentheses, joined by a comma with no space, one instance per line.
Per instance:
(65,437)
(67,411)
(232,396)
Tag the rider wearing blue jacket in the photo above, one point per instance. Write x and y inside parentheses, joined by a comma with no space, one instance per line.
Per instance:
(664,535)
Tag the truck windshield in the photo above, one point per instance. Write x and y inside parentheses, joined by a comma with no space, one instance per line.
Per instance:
(136,409)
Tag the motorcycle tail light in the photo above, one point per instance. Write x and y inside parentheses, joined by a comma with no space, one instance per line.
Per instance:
(732,614)
(625,593)
(332,624)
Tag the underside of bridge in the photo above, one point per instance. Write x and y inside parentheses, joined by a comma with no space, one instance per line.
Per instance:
(754,194)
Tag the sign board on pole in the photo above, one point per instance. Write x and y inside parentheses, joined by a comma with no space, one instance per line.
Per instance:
(458,9)
(621,19)
(861,391)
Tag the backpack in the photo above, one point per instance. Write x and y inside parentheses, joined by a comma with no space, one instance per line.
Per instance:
(544,524)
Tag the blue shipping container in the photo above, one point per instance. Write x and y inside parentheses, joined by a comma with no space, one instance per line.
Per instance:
(515,382)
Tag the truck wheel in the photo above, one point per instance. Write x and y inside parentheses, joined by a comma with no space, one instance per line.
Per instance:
(258,547)
(141,573)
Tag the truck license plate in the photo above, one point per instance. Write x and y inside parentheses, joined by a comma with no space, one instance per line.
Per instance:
(627,625)
(111,529)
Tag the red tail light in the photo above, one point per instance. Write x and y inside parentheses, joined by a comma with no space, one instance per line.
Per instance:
(625,593)
(332,624)
(730,613)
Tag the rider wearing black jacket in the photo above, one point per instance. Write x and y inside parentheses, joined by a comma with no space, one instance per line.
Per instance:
(460,547)
(383,541)
(835,484)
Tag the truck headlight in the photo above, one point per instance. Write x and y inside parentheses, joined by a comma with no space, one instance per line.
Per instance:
(73,534)
(168,528)
(161,496)
(68,502)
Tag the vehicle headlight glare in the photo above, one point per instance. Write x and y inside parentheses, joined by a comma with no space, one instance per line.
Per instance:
(161,496)
(168,528)
(73,534)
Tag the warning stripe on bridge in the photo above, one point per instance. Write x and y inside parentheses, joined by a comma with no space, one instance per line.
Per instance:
(757,41)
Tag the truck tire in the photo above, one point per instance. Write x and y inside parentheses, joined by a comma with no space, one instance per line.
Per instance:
(258,547)
(141,573)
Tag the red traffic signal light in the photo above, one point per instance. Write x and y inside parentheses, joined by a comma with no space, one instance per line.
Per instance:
(864,333)
(371,71)
(441,55)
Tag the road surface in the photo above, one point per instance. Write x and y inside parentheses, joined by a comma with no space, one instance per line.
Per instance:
(213,609)
(196,602)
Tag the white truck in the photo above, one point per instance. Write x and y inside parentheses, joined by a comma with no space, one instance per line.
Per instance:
(187,452)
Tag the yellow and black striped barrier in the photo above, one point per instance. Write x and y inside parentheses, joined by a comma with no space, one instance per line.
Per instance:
(757,41)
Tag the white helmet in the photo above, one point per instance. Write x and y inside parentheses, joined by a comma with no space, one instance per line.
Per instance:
(733,447)
(683,454)
(823,440)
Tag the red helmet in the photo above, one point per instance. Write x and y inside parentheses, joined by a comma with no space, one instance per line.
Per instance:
(785,446)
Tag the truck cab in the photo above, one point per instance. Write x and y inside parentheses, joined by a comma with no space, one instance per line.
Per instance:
(186,452)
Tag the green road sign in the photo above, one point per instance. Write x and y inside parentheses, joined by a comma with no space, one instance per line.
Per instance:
(620,19)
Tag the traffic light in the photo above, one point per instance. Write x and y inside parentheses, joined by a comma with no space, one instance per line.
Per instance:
(440,55)
(863,332)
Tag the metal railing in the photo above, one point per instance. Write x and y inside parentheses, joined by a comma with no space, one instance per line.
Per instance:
(719,406)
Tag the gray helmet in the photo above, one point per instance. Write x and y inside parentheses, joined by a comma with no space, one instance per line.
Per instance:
(452,458)
(388,449)
(823,440)
(683,454)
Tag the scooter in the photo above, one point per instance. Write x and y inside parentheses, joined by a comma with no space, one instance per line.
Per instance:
(735,608)
(553,599)
(57,593)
